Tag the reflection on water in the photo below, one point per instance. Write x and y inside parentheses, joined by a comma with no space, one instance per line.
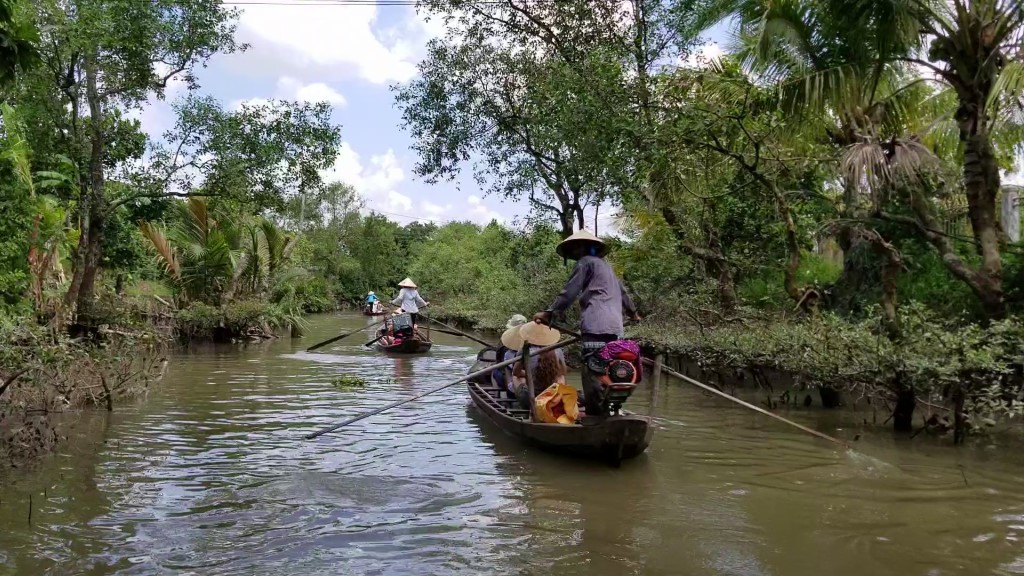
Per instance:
(210,475)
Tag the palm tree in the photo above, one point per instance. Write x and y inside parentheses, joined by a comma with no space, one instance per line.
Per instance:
(213,257)
(200,251)
(848,61)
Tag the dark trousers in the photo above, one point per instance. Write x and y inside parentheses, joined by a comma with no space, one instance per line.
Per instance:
(593,391)
(415,317)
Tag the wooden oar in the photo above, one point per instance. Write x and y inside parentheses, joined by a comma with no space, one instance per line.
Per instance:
(435,390)
(717,392)
(345,335)
(459,332)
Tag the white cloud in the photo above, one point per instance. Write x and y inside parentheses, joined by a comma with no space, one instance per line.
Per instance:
(434,211)
(375,183)
(480,213)
(702,56)
(238,104)
(317,41)
(289,88)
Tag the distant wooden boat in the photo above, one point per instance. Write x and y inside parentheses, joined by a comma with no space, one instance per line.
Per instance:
(412,345)
(368,310)
(613,439)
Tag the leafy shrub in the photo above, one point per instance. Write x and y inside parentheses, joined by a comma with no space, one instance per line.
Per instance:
(239,319)
(765,289)
(934,355)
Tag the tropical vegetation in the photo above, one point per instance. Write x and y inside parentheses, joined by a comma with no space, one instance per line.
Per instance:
(825,199)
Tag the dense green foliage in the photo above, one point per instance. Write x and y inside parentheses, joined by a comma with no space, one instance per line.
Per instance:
(879,129)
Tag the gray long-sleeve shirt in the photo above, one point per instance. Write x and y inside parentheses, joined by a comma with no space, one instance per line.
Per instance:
(409,299)
(602,297)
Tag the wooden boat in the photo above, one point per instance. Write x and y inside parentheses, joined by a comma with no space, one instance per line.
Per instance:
(415,342)
(368,310)
(613,439)
(418,345)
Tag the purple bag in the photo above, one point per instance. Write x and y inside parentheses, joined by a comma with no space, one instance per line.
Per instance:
(621,350)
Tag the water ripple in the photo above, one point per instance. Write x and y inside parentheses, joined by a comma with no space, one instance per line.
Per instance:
(211,475)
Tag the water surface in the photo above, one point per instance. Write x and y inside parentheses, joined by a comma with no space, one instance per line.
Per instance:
(210,475)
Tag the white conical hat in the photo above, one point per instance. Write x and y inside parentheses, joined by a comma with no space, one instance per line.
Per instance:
(511,339)
(580,237)
(538,334)
(407,283)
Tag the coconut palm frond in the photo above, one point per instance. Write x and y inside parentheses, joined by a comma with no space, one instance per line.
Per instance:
(910,158)
(866,165)
(163,247)
(1008,96)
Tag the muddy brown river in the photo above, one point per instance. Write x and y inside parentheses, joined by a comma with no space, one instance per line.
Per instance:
(210,475)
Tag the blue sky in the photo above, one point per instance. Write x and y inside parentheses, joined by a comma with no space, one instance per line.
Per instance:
(348,56)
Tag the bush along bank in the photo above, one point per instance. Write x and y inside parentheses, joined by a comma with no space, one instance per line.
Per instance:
(44,373)
(963,378)
(240,321)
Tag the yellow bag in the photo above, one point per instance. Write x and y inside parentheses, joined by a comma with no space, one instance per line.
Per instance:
(557,405)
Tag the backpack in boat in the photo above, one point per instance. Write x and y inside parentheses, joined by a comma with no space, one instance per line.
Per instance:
(402,325)
(619,362)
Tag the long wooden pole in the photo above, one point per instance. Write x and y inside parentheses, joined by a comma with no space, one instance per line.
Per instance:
(345,335)
(459,332)
(758,409)
(470,376)
(717,392)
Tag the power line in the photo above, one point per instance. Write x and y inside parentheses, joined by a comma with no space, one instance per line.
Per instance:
(303,3)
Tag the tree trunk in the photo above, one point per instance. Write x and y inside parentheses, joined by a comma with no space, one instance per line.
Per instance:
(565,220)
(903,413)
(78,263)
(986,287)
(959,418)
(91,247)
(981,181)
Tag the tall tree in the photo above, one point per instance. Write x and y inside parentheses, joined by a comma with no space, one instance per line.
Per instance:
(101,58)
(571,83)
(500,107)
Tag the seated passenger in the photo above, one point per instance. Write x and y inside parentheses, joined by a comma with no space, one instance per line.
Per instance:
(546,368)
(511,344)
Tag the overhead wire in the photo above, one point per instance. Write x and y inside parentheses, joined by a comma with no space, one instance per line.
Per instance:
(304,3)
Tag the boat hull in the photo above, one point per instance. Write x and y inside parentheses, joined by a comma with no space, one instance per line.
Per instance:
(613,439)
(406,347)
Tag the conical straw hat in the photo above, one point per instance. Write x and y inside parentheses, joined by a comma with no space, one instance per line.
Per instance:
(511,339)
(580,237)
(407,283)
(538,334)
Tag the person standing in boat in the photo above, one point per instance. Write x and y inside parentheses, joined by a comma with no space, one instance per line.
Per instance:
(371,302)
(409,300)
(603,299)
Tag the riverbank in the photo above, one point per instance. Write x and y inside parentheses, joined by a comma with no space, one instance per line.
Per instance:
(45,374)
